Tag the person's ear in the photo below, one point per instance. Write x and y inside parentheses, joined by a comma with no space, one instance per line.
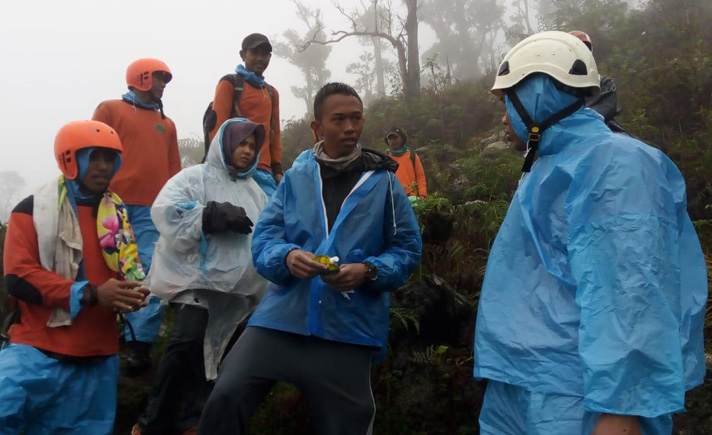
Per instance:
(242,55)
(316,130)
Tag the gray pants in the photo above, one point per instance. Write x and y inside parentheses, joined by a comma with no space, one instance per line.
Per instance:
(333,377)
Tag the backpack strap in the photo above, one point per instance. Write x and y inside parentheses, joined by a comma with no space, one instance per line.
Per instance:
(239,84)
(412,159)
(270,91)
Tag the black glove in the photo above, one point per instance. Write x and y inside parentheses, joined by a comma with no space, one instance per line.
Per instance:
(223,216)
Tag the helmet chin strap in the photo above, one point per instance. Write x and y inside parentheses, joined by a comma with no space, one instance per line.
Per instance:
(535,129)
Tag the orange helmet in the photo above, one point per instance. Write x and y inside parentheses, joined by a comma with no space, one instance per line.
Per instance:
(78,135)
(583,36)
(139,74)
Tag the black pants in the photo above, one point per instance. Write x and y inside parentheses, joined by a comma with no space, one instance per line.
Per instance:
(333,377)
(180,388)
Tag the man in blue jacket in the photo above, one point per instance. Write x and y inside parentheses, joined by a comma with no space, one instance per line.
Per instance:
(592,309)
(316,330)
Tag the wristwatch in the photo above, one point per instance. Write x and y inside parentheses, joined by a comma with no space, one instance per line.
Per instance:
(371,271)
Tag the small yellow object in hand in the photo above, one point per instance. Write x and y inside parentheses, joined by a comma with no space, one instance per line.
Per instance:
(331,263)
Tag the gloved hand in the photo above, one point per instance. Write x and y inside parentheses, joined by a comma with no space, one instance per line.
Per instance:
(223,216)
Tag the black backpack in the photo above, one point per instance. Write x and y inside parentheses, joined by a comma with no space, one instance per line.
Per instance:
(210,117)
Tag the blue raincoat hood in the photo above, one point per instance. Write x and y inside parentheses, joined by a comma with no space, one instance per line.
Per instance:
(596,283)
(73,186)
(542,99)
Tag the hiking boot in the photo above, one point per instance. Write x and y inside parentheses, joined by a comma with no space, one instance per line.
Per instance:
(138,360)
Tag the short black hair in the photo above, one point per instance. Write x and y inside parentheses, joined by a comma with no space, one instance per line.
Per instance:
(331,89)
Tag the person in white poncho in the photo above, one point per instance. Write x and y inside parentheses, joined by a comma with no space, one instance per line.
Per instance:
(203,267)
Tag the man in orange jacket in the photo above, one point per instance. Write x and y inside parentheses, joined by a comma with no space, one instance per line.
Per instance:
(258,102)
(410,171)
(150,158)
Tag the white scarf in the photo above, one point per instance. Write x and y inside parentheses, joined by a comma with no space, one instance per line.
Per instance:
(337,164)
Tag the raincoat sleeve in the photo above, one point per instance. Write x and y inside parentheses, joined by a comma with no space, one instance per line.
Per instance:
(624,254)
(269,244)
(178,210)
(403,246)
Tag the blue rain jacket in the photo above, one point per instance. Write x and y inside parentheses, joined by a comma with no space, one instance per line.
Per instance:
(376,224)
(596,283)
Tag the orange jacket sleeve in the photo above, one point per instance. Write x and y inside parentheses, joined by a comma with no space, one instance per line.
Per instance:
(25,278)
(173,152)
(275,146)
(222,104)
(420,178)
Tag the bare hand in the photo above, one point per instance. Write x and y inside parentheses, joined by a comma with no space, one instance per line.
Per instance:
(350,277)
(123,295)
(610,424)
(302,264)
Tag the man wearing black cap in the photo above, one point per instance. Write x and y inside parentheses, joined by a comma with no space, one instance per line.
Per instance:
(410,171)
(246,94)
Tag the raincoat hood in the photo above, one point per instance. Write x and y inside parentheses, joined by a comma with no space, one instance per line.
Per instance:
(232,132)
(542,100)
(74,186)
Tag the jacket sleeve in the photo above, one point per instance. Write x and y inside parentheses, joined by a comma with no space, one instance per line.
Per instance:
(25,278)
(269,247)
(275,146)
(222,104)
(173,152)
(403,245)
(420,178)
(177,211)
(624,254)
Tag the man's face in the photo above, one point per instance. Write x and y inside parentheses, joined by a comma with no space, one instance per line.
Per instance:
(340,124)
(256,59)
(158,85)
(99,170)
(511,136)
(244,154)
(395,141)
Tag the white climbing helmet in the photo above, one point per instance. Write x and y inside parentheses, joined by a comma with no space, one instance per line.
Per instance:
(557,54)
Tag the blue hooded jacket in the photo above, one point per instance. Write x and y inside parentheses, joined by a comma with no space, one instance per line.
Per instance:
(375,224)
(596,283)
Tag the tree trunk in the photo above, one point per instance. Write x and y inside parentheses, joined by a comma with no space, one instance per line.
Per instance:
(378,64)
(411,83)
(378,55)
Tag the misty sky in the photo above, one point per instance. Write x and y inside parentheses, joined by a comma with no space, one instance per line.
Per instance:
(61,58)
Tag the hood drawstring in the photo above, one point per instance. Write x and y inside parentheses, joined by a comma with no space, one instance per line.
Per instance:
(393,204)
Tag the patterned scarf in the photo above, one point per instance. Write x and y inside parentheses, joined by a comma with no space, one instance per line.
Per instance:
(118,246)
